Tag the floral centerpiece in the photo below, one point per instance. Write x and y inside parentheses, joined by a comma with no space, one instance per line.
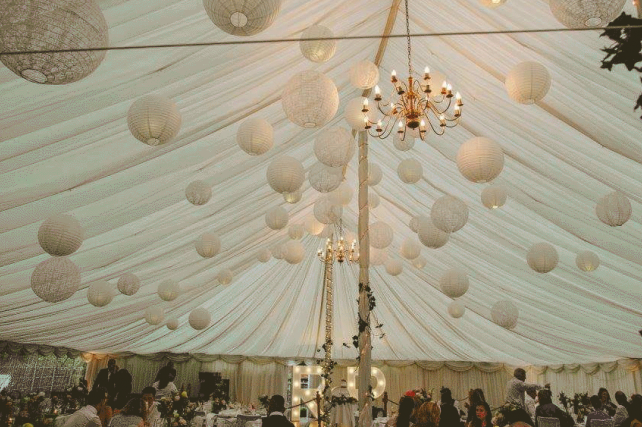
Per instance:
(177,410)
(504,413)
(420,394)
(219,398)
(264,400)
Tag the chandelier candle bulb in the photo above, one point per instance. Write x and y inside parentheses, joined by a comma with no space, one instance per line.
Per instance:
(367,122)
(377,93)
(365,106)
(426,73)
(393,77)
(444,88)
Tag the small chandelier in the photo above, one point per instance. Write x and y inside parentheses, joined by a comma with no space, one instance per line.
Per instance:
(415,105)
(339,251)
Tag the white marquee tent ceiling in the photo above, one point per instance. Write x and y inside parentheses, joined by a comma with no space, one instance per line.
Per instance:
(68,149)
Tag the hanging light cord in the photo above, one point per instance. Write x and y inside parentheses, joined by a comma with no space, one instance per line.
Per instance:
(408,39)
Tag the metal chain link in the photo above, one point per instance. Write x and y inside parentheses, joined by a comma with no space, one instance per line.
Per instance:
(408,38)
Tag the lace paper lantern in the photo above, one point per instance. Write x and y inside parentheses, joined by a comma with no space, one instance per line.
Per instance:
(586,13)
(334,147)
(276,218)
(208,245)
(431,236)
(154,119)
(310,99)
(381,235)
(293,197)
(480,159)
(60,235)
(505,314)
(494,196)
(172,324)
(255,136)
(528,82)
(326,212)
(378,256)
(364,75)
(199,318)
(410,171)
(393,267)
(373,199)
(355,117)
(169,290)
(456,309)
(416,221)
(285,174)
(419,262)
(263,255)
(449,214)
(52,25)
(614,209)
(454,283)
(491,4)
(587,261)
(198,193)
(325,179)
(342,195)
(403,145)
(128,284)
(318,50)
(242,17)
(296,231)
(225,276)
(154,315)
(374,174)
(55,279)
(542,257)
(410,248)
(100,293)
(294,252)
(312,226)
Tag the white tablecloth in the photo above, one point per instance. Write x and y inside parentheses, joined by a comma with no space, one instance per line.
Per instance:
(380,422)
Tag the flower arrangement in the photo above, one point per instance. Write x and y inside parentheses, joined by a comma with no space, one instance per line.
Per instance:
(264,400)
(421,394)
(503,415)
(177,409)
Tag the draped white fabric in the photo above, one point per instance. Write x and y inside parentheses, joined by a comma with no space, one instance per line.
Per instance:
(68,149)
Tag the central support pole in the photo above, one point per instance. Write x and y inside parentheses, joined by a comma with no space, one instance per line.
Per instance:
(329,301)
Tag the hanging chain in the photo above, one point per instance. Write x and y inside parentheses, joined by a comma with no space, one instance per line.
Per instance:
(408,38)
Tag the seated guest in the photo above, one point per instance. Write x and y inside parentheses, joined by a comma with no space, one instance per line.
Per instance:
(635,413)
(133,414)
(428,415)
(607,406)
(402,419)
(449,414)
(164,387)
(548,409)
(475,397)
(88,415)
(153,418)
(276,408)
(621,412)
(597,413)
(483,416)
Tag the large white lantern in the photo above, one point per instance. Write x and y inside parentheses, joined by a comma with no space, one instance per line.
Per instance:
(154,315)
(419,262)
(373,199)
(312,226)
(614,209)
(60,235)
(242,17)
(172,324)
(410,248)
(128,284)
(342,195)
(334,147)
(296,231)
(154,119)
(208,245)
(293,197)
(276,218)
(364,75)
(403,145)
(505,314)
(226,276)
(542,257)
(480,159)
(169,290)
(55,279)
(310,99)
(324,178)
(100,293)
(198,193)
(410,171)
(263,255)
(52,25)
(355,116)
(449,214)
(393,267)
(587,261)
(378,256)
(326,212)
(318,50)
(528,82)
(374,174)
(586,13)
(285,174)
(381,235)
(494,196)
(294,252)
(454,283)
(199,318)
(431,236)
(255,136)
(456,309)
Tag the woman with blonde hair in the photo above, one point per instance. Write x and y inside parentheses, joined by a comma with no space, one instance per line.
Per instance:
(428,415)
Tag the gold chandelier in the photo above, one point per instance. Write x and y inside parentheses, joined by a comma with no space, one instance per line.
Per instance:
(415,105)
(339,251)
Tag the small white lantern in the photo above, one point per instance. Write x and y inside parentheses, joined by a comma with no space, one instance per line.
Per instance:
(326,212)
(242,18)
(60,235)
(587,261)
(410,248)
(285,174)
(278,251)
(410,171)
(55,279)
(208,245)
(294,197)
(100,293)
(198,193)
(294,252)
(325,179)
(419,262)
(128,284)
(381,235)
(364,75)
(456,309)
(494,196)
(480,159)
(199,318)
(169,290)
(374,174)
(154,119)
(326,233)
(154,315)
(431,236)
(454,283)
(255,136)
(318,50)
(342,195)
(334,147)
(505,314)
(310,99)
(312,226)
(403,145)
(226,276)
(276,218)
(263,255)
(373,199)
(528,82)
(355,116)
(491,4)
(614,209)
(172,324)
(296,231)
(586,13)
(449,214)
(378,256)
(393,267)
(542,257)
(416,221)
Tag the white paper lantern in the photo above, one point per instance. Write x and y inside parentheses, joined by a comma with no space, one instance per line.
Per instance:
(52,25)
(326,212)
(364,75)
(294,252)
(342,195)
(542,257)
(296,231)
(318,50)
(154,119)
(491,4)
(100,293)
(586,13)
(378,256)
(410,171)
(528,82)
(381,235)
(334,147)
(454,283)
(242,18)
(293,197)
(393,267)
(312,226)
(326,233)
(324,178)
(449,214)
(505,314)
(480,159)
(128,284)
(226,276)
(310,99)
(614,209)
(410,248)
(285,174)
(276,218)
(431,236)
(456,309)
(494,196)
(255,136)
(60,235)
(278,251)
(416,221)
(154,315)
(263,255)
(403,145)
(169,290)
(199,318)
(198,193)
(55,279)
(208,245)
(419,262)
(587,261)
(172,324)
(374,174)
(355,116)
(373,199)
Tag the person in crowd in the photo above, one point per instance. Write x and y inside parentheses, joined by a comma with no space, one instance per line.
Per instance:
(23,416)
(597,413)
(88,415)
(483,416)
(276,408)
(529,402)
(167,371)
(635,413)
(548,409)
(153,415)
(607,405)
(449,414)
(134,413)
(106,412)
(428,415)
(515,390)
(106,377)
(402,419)
(621,411)
(475,397)
(122,389)
(164,387)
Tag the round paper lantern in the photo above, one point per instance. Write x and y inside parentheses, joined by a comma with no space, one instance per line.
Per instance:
(310,99)
(276,218)
(403,145)
(334,147)
(492,3)
(480,159)
(318,50)
(431,236)
(326,212)
(528,82)
(294,252)
(381,235)
(226,276)
(154,119)
(326,233)
(456,309)
(285,174)
(242,18)
(208,245)
(374,174)
(294,197)
(255,136)
(52,25)
(324,178)
(55,279)
(169,290)
(100,293)
(586,13)
(542,257)
(342,195)
(172,324)
(410,171)
(296,231)
(60,235)
(198,193)
(312,226)
(416,221)
(278,252)
(449,214)
(355,116)
(154,315)
(419,262)
(378,256)
(393,267)
(263,255)
(494,196)
(199,318)
(505,314)
(454,283)
(128,284)
(373,199)
(587,261)
(364,75)
(614,209)
(410,248)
